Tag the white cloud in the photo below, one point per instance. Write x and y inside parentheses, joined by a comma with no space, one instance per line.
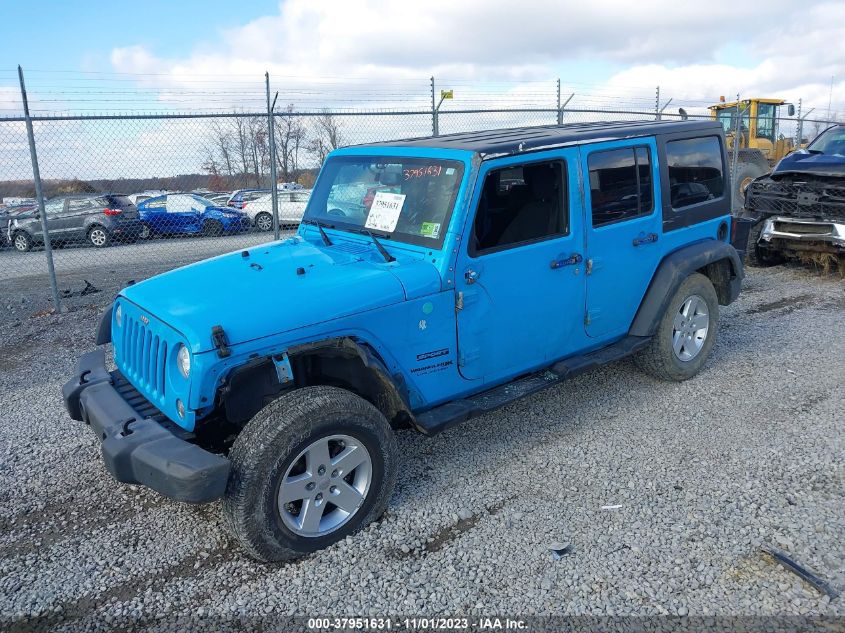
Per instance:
(788,49)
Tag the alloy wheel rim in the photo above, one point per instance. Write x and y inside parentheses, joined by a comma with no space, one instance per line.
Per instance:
(20,243)
(690,328)
(325,486)
(98,237)
(265,223)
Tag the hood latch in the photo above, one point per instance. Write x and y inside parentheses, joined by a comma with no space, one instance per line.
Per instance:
(218,337)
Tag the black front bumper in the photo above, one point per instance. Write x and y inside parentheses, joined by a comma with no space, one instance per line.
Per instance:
(138,449)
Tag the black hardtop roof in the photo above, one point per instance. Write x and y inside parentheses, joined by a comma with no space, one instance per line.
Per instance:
(515,140)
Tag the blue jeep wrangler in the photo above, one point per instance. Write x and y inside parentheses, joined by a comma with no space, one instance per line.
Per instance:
(432,280)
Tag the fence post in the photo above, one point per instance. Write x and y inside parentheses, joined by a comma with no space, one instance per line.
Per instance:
(800,128)
(559,108)
(657,104)
(435,124)
(39,194)
(271,131)
(737,132)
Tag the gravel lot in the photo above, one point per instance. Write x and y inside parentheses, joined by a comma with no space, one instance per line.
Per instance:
(697,476)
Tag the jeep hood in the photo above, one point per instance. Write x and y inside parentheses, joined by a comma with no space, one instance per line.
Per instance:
(279,287)
(803,161)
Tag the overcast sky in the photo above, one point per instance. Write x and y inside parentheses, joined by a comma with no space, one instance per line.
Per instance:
(195,55)
(693,50)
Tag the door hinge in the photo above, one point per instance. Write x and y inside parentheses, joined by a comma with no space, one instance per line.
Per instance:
(459,302)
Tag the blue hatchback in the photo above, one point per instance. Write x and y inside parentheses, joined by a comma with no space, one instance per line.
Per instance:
(189,214)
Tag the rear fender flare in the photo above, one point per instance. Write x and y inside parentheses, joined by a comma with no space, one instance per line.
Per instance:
(672,271)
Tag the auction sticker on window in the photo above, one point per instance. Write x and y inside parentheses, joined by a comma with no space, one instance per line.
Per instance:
(384,212)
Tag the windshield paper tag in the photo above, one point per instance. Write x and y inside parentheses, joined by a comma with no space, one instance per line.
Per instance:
(430,229)
(384,212)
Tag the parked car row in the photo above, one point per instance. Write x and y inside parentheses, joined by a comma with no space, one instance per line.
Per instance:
(100,219)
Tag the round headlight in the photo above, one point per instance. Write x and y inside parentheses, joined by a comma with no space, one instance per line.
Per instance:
(183,360)
(118,315)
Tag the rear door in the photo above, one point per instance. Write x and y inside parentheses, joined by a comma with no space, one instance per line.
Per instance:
(72,219)
(623,231)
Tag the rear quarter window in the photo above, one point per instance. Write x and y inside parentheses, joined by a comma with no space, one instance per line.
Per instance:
(119,202)
(696,172)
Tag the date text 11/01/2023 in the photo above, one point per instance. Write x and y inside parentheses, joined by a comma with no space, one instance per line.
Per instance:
(416,624)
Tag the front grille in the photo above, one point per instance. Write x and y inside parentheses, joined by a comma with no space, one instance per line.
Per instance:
(135,399)
(144,356)
(812,199)
(145,408)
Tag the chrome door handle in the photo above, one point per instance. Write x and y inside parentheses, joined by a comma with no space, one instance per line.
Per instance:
(573,259)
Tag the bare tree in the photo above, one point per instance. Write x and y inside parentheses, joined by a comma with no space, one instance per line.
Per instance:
(220,146)
(326,135)
(258,148)
(290,136)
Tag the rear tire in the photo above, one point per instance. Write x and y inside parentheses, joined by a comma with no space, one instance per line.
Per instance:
(745,173)
(686,332)
(272,460)
(98,236)
(757,256)
(264,221)
(212,228)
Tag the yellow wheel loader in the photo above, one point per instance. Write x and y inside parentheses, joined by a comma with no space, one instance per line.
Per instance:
(753,124)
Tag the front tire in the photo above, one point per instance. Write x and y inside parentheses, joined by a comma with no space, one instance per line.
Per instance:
(212,228)
(309,469)
(22,242)
(685,334)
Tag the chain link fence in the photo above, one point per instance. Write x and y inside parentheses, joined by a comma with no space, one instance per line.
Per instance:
(129,196)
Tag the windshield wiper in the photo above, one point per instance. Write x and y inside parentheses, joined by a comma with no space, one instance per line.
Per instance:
(323,234)
(381,249)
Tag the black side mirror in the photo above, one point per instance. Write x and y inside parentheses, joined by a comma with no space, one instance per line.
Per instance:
(790,109)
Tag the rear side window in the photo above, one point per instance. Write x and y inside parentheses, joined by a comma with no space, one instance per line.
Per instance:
(158,203)
(80,204)
(620,184)
(115,202)
(54,206)
(695,170)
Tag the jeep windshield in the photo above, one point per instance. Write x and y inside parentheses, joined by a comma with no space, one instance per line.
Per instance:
(403,199)
(831,142)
